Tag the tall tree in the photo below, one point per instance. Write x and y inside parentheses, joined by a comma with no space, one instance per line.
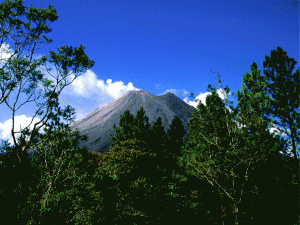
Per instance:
(273,99)
(141,125)
(126,129)
(216,151)
(131,127)
(176,133)
(158,135)
(46,183)
(18,70)
(61,169)
(283,87)
(173,145)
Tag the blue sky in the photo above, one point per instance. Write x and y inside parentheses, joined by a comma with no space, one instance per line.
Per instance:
(161,46)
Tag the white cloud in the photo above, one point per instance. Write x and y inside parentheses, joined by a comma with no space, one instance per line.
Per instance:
(85,85)
(202,97)
(88,84)
(274,129)
(5,52)
(20,121)
(185,92)
(86,88)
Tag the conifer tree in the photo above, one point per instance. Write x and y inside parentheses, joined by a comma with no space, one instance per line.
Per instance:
(141,125)
(283,87)
(176,134)
(131,127)
(271,99)
(157,138)
(125,132)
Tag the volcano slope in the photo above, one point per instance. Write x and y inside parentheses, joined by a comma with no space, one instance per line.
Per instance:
(99,124)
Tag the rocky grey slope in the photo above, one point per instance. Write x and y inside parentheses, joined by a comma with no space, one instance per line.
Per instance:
(99,124)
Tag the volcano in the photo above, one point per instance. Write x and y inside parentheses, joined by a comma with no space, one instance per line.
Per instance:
(99,124)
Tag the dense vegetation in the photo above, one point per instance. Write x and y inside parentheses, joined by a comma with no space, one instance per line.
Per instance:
(228,169)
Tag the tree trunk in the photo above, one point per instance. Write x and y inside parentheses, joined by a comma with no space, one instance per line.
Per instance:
(294,150)
(223,214)
(236,211)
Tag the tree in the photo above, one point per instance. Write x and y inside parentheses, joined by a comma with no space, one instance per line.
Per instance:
(125,132)
(16,72)
(19,70)
(217,151)
(47,182)
(175,134)
(283,87)
(271,99)
(63,171)
(131,127)
(275,95)
(157,137)
(141,125)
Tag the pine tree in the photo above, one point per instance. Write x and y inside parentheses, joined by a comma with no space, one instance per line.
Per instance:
(174,142)
(283,87)
(126,123)
(141,125)
(157,138)
(271,99)
(131,128)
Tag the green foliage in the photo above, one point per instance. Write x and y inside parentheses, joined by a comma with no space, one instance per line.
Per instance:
(283,87)
(58,170)
(61,173)
(253,100)
(57,186)
(211,132)
(158,135)
(141,125)
(219,152)
(138,190)
(120,165)
(131,127)
(176,132)
(159,175)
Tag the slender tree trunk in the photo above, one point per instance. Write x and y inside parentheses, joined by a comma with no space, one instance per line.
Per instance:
(223,214)
(294,149)
(236,211)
